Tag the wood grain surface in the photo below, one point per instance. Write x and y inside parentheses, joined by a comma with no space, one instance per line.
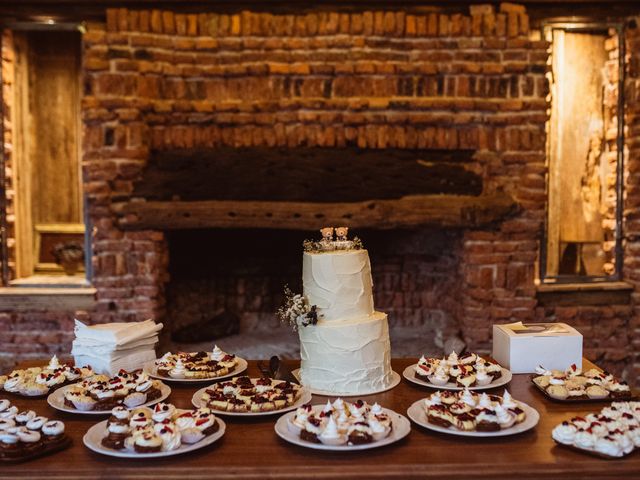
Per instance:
(251,449)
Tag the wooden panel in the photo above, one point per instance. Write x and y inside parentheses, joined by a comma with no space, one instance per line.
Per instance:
(46,147)
(412,211)
(54,98)
(23,132)
(306,174)
(576,145)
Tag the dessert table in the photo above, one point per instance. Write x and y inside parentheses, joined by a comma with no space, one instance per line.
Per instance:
(251,449)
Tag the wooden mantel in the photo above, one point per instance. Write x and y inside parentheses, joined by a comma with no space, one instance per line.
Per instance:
(406,212)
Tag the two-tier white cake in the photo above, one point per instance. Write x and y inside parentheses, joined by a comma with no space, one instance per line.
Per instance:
(347,351)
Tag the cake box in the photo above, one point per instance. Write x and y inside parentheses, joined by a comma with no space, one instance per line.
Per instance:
(522,347)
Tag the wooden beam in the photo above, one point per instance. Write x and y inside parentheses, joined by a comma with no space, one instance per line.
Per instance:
(406,212)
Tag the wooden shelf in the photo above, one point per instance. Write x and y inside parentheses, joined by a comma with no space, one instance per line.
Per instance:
(406,212)
(47,298)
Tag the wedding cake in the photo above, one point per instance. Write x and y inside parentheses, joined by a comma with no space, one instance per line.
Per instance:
(344,342)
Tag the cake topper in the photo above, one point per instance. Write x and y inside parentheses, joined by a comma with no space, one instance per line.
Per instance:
(329,244)
(327,234)
(341,233)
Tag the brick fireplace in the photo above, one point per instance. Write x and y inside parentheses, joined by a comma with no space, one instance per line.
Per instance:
(164,84)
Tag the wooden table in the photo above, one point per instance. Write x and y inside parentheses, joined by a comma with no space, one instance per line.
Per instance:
(251,449)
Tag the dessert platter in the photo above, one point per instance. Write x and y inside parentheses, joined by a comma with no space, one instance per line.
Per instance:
(342,426)
(196,366)
(344,341)
(100,393)
(612,433)
(470,371)
(25,435)
(40,381)
(470,414)
(161,431)
(244,396)
(573,385)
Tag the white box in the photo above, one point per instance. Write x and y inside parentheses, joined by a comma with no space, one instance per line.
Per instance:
(521,348)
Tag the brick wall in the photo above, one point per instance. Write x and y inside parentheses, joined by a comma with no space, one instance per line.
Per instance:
(632,189)
(159,80)
(373,79)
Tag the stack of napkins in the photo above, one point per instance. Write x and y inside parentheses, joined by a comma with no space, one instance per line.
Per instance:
(110,347)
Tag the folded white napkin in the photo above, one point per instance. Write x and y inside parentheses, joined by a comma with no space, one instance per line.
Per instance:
(93,346)
(116,334)
(110,366)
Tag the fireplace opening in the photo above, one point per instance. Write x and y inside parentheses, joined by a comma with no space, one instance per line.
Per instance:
(226,285)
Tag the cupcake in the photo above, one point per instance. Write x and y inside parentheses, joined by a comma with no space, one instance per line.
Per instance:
(559,392)
(311,430)
(52,431)
(119,415)
(135,399)
(486,420)
(9,444)
(597,392)
(564,433)
(330,434)
(482,377)
(467,381)
(116,436)
(84,403)
(148,442)
(608,446)
(440,415)
(36,423)
(23,418)
(359,433)
(440,377)
(506,418)
(465,422)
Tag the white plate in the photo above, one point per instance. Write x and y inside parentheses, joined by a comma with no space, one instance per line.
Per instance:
(150,369)
(395,380)
(401,428)
(417,414)
(305,397)
(409,374)
(56,400)
(95,434)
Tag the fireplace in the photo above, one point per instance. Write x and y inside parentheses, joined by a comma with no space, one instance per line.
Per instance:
(238,275)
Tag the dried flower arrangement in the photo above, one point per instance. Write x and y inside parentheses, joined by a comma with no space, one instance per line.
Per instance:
(296,310)
(69,255)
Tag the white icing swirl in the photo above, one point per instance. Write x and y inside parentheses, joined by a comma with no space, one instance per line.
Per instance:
(53,428)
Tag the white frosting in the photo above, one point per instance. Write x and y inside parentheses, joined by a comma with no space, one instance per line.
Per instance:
(330,435)
(608,447)
(36,423)
(350,358)
(53,427)
(339,284)
(118,428)
(564,433)
(54,363)
(179,370)
(163,411)
(218,354)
